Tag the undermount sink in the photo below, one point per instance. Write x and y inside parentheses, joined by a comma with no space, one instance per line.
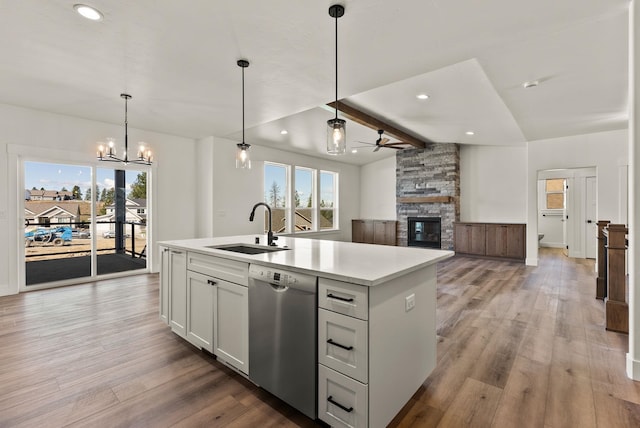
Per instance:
(246,249)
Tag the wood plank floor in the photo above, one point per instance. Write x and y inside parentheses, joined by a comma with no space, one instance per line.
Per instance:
(518,347)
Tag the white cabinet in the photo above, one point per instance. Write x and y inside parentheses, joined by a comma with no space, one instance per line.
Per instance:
(200,310)
(204,299)
(164,285)
(231,324)
(343,344)
(342,401)
(343,353)
(387,347)
(177,291)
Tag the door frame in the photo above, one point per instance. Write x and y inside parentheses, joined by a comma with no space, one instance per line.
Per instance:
(17,156)
(575,224)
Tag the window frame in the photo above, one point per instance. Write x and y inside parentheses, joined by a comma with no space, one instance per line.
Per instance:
(290,192)
(555,192)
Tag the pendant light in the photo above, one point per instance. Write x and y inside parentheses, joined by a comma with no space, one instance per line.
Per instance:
(242,154)
(108,153)
(336,128)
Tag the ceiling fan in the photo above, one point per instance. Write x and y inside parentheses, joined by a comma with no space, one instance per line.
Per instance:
(383,142)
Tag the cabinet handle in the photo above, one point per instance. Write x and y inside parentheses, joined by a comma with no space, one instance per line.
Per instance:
(332,401)
(340,298)
(176,252)
(331,342)
(211,282)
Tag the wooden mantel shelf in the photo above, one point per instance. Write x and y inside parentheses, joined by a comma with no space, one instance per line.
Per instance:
(425,199)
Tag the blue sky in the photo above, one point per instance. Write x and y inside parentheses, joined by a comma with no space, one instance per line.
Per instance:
(53,176)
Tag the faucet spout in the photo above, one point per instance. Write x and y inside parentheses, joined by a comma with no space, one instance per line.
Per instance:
(270,237)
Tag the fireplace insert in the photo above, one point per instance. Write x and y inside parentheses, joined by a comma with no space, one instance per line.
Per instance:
(424,232)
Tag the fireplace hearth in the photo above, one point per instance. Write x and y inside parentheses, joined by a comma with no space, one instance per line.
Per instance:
(424,232)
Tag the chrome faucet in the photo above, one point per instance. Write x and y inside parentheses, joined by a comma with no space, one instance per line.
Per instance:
(270,237)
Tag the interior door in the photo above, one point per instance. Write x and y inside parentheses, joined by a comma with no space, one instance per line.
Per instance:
(591,228)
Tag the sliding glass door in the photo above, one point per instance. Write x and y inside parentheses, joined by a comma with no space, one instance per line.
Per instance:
(82,221)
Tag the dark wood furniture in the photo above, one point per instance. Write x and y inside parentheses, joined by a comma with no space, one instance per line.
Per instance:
(601,280)
(616,306)
(499,240)
(382,232)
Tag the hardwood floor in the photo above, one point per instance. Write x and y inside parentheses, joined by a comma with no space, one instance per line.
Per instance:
(518,346)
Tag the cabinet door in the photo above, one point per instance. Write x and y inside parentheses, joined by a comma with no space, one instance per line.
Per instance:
(200,290)
(477,239)
(516,238)
(164,284)
(368,232)
(178,292)
(384,232)
(496,237)
(357,230)
(231,324)
(461,238)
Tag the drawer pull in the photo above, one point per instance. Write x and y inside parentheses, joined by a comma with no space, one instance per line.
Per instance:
(332,401)
(211,282)
(331,342)
(340,298)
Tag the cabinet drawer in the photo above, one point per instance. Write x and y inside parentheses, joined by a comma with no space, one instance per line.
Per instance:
(344,298)
(343,344)
(342,401)
(229,270)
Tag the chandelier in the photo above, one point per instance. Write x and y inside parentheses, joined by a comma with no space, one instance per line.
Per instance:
(107,153)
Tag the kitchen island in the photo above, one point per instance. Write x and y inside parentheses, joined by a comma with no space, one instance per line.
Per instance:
(376,318)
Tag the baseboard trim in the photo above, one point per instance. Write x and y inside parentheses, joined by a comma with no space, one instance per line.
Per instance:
(531,261)
(633,368)
(552,244)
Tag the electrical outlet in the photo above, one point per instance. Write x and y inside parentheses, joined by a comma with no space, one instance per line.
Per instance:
(409,302)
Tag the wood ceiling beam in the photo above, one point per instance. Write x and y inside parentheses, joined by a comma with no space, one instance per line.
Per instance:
(369,121)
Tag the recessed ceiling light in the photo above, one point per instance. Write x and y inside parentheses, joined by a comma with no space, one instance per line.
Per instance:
(530,84)
(88,12)
(354,150)
(470,133)
(284,132)
(422,96)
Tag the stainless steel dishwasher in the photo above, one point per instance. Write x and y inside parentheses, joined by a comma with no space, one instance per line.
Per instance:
(283,335)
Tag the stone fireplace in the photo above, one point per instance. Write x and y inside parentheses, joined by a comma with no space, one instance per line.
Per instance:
(428,186)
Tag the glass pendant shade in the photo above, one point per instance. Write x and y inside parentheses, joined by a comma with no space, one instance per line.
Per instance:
(242,154)
(243,161)
(336,128)
(336,136)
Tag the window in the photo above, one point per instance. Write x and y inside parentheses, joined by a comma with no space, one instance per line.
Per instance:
(303,196)
(328,181)
(275,195)
(313,196)
(554,189)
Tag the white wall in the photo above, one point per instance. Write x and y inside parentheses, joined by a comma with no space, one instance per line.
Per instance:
(235,191)
(378,189)
(607,151)
(493,183)
(37,135)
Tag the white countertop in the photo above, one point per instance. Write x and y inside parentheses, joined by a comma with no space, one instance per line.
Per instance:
(363,264)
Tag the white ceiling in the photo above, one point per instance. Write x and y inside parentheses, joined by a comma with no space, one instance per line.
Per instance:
(178,61)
